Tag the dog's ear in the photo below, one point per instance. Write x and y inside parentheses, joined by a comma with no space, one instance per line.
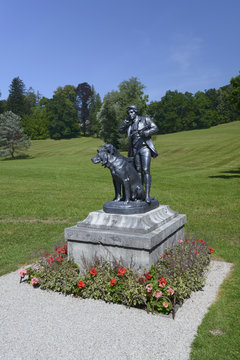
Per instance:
(111,149)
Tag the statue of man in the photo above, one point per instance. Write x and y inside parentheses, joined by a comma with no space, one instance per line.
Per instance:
(139,130)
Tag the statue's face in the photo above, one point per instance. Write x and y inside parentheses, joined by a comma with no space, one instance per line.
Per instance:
(131,114)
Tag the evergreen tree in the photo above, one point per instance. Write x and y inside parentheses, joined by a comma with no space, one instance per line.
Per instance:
(12,137)
(83,101)
(16,98)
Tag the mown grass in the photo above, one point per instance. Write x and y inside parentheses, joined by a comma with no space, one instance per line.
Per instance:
(197,173)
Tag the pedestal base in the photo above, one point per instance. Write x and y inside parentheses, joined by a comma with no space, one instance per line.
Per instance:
(133,207)
(136,240)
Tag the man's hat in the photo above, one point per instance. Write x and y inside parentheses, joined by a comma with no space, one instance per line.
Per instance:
(133,107)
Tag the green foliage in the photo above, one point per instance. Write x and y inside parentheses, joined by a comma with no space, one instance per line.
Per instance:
(3,106)
(63,114)
(31,100)
(36,124)
(113,110)
(94,108)
(177,111)
(83,101)
(108,119)
(235,82)
(12,137)
(16,98)
(179,272)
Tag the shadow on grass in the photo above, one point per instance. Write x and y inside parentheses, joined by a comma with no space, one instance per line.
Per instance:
(18,157)
(230,174)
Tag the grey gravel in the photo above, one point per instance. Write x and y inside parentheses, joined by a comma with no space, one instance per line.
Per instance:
(37,324)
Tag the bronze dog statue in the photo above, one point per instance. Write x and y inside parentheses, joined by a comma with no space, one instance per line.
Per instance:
(123,172)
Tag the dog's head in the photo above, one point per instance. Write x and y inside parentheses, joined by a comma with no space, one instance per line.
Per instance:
(103,154)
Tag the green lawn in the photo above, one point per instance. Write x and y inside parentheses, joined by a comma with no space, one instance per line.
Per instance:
(197,173)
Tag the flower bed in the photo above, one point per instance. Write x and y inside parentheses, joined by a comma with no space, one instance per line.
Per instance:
(179,271)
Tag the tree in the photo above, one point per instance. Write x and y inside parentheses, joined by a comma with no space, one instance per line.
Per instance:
(36,124)
(113,110)
(12,137)
(32,99)
(94,108)
(108,119)
(235,82)
(62,113)
(83,101)
(16,98)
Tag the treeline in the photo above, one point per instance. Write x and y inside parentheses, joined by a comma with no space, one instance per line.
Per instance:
(78,110)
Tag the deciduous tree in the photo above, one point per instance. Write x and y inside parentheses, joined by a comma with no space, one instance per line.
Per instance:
(62,113)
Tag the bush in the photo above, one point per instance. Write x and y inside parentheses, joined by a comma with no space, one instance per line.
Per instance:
(179,271)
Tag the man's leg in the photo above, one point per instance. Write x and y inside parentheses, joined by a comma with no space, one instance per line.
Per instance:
(145,154)
(137,164)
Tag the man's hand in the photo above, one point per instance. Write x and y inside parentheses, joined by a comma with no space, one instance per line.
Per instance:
(143,133)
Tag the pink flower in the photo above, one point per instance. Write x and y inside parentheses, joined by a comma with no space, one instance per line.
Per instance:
(170,290)
(37,267)
(23,272)
(149,288)
(34,281)
(157,294)
(180,241)
(165,304)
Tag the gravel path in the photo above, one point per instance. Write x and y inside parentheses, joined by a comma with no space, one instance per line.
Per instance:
(35,324)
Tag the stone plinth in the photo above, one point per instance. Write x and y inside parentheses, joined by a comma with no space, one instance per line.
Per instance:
(136,240)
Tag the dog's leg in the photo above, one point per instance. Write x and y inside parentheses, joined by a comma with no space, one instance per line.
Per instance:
(117,188)
(126,186)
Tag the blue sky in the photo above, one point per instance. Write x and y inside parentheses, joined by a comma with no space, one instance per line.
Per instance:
(185,45)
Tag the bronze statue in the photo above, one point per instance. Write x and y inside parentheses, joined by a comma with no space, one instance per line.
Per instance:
(125,177)
(139,130)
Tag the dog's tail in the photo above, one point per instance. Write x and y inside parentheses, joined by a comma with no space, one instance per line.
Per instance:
(140,192)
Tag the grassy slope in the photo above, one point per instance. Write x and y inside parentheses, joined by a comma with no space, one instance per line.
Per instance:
(196,173)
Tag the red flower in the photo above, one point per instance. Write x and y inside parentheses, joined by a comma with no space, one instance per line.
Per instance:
(63,251)
(162,282)
(163,255)
(46,255)
(148,276)
(196,251)
(121,271)
(93,271)
(169,255)
(142,280)
(211,250)
(81,284)
(113,282)
(51,259)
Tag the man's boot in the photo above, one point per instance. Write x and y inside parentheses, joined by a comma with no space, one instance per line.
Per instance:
(147,181)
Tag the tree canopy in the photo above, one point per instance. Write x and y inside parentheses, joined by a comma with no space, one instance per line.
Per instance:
(12,137)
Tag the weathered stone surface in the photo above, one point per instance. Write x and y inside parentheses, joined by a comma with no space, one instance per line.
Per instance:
(136,240)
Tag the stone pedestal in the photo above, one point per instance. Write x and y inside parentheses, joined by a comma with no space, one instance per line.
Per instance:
(136,240)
